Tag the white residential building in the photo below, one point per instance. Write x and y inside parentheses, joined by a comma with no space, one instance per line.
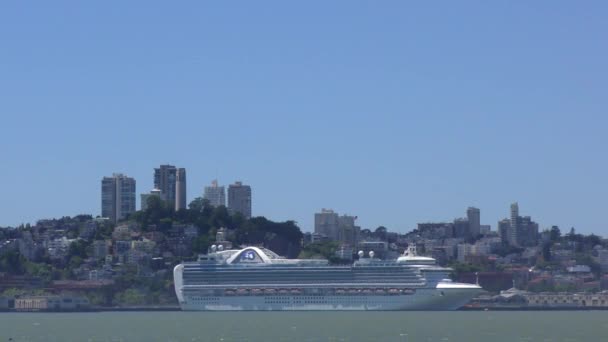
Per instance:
(215,194)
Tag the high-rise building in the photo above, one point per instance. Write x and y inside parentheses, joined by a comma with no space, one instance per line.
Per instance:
(473,216)
(527,232)
(485,229)
(164,180)
(239,199)
(171,180)
(180,189)
(518,231)
(514,215)
(461,228)
(337,228)
(326,224)
(504,230)
(117,197)
(348,232)
(215,194)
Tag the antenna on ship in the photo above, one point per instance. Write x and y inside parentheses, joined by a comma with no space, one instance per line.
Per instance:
(477,278)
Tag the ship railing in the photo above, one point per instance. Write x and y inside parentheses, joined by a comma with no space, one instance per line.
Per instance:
(308,285)
(325,291)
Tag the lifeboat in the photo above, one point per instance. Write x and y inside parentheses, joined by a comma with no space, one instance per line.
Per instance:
(242,291)
(366,291)
(270,291)
(296,291)
(229,292)
(256,292)
(283,291)
(353,291)
(380,291)
(340,291)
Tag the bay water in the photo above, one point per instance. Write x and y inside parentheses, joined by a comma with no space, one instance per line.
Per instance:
(491,326)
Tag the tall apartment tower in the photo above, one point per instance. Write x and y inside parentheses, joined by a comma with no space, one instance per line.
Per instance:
(171,180)
(327,223)
(513,229)
(473,216)
(514,215)
(117,197)
(215,194)
(180,189)
(239,199)
(504,231)
(164,180)
(518,231)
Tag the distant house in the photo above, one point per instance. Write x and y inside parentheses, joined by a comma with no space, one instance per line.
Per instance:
(51,303)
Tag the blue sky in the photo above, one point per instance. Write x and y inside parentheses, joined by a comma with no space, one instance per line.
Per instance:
(395,111)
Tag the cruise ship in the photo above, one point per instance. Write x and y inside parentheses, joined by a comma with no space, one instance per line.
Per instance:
(255,279)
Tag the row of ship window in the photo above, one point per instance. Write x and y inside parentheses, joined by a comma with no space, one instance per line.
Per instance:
(303,300)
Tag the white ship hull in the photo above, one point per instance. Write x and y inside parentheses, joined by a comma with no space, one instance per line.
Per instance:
(423,299)
(228,281)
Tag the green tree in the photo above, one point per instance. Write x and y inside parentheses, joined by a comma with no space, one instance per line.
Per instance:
(198,204)
(459,268)
(201,244)
(130,297)
(319,250)
(78,248)
(555,234)
(547,251)
(12,263)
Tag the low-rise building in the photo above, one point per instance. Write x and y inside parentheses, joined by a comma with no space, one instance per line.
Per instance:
(579,269)
(137,257)
(51,303)
(345,252)
(191,232)
(121,232)
(88,229)
(121,247)
(380,248)
(552,299)
(144,245)
(100,249)
(58,248)
(8,245)
(603,259)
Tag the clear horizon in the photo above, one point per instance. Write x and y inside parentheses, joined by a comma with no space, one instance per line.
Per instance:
(397,113)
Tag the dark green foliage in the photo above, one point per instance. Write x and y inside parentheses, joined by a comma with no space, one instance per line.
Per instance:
(201,244)
(322,250)
(555,234)
(78,248)
(547,252)
(282,237)
(459,268)
(12,263)
(505,250)
(585,259)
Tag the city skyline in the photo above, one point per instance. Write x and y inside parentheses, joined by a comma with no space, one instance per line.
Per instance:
(507,228)
(471,211)
(398,113)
